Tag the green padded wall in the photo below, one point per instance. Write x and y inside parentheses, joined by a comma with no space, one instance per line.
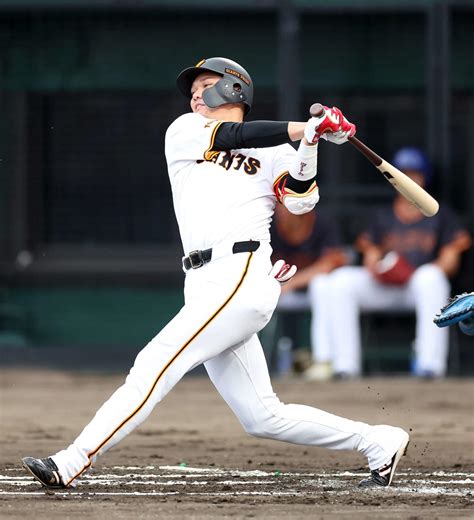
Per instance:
(96,316)
(462,51)
(377,51)
(64,52)
(80,51)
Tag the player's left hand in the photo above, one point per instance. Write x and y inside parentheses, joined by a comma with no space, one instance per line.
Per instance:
(282,272)
(332,126)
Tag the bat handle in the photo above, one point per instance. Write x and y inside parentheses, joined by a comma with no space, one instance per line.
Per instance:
(375,159)
(316,110)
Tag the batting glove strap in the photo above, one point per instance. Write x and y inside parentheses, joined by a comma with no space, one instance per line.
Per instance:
(282,272)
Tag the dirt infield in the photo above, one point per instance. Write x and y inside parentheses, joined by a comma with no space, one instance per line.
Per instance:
(191,459)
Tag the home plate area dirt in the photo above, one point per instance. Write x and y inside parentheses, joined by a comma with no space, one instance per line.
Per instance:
(191,459)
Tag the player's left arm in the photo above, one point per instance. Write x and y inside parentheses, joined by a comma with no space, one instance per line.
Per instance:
(297,196)
(298,190)
(294,182)
(327,262)
(453,240)
(295,186)
(449,257)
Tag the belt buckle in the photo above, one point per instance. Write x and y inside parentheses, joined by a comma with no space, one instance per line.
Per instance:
(195,259)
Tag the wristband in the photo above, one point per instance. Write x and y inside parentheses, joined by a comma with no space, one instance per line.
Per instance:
(305,164)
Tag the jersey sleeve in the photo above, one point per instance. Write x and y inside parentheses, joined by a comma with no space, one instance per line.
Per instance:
(190,138)
(282,160)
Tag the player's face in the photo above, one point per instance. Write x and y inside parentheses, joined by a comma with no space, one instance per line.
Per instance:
(203,81)
(416,176)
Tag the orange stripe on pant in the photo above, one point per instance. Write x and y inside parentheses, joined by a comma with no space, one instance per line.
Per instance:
(188,342)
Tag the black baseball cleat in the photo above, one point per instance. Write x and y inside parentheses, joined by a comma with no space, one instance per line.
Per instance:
(383,476)
(45,471)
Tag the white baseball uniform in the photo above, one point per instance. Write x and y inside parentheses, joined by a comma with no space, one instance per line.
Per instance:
(221,198)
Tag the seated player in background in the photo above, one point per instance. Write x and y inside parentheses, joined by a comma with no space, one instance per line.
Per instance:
(312,242)
(424,253)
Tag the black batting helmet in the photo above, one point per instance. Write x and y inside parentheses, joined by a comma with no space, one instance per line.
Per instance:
(235,86)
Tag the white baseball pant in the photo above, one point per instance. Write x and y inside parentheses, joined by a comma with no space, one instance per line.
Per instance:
(314,299)
(226,302)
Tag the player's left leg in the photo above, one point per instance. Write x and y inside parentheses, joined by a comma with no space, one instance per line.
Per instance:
(429,290)
(226,301)
(241,376)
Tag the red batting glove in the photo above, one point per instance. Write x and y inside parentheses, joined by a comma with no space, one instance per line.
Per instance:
(332,126)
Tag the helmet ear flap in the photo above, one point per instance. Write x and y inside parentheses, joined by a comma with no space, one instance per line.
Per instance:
(226,90)
(235,86)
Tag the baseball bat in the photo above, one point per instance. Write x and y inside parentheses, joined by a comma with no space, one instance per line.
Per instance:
(401,182)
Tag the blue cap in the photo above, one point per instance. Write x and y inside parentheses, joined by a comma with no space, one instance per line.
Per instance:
(411,158)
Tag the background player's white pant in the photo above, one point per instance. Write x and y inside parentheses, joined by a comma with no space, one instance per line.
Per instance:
(316,300)
(226,303)
(353,289)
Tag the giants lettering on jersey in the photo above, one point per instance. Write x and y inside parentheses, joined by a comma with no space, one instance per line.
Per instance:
(227,160)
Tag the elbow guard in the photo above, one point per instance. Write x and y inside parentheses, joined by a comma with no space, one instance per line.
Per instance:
(296,203)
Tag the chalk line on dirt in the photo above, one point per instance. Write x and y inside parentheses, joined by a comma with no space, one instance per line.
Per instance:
(459,484)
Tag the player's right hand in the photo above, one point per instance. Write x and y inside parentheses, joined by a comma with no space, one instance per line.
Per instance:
(332,126)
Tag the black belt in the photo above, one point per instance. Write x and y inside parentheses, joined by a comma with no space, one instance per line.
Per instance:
(198,258)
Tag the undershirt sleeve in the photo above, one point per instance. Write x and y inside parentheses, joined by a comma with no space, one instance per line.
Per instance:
(252,134)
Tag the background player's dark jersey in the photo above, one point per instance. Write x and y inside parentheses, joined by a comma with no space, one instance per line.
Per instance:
(419,242)
(323,237)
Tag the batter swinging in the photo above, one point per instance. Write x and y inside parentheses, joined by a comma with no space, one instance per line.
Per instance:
(226,177)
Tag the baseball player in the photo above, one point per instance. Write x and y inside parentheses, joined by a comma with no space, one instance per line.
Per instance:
(226,177)
(432,247)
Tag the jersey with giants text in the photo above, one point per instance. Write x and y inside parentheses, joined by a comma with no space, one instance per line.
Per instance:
(220,196)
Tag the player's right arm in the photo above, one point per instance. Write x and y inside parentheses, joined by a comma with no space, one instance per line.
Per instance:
(368,243)
(193,137)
